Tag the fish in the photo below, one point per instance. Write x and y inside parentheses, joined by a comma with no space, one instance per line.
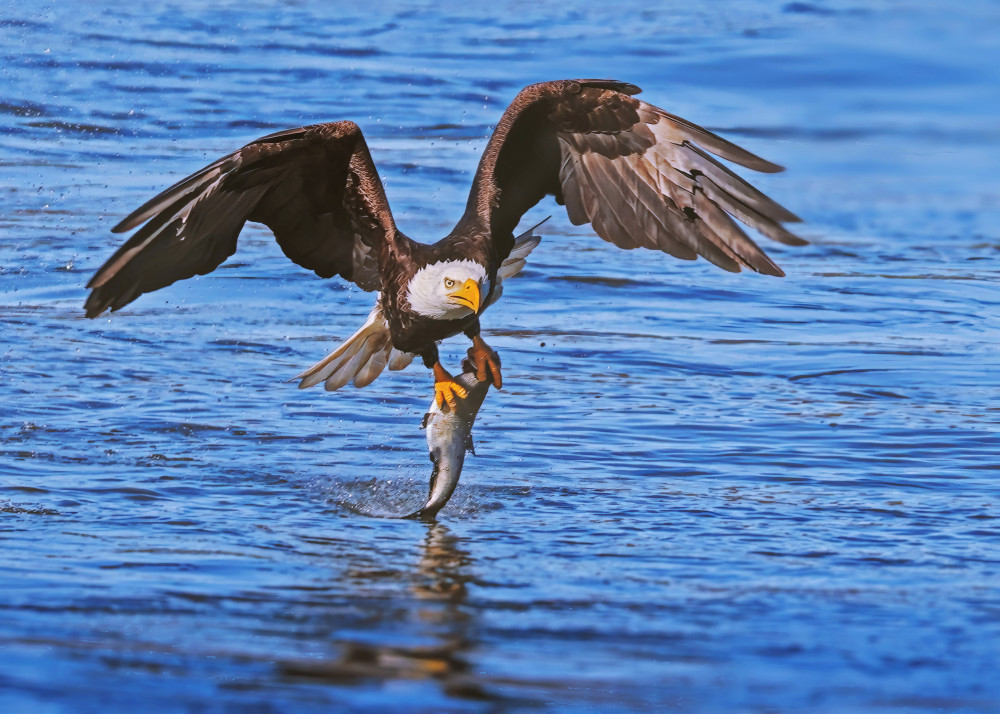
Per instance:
(449,437)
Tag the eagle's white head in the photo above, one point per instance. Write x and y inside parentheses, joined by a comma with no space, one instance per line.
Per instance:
(448,290)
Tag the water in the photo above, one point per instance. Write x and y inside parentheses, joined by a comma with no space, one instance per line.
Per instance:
(697,491)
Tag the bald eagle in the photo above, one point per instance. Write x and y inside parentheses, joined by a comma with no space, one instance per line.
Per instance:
(640,176)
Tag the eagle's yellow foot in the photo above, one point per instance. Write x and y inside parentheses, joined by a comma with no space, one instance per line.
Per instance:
(446,389)
(449,393)
(485,361)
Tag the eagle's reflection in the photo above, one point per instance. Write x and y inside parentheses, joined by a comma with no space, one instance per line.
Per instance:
(443,569)
(440,584)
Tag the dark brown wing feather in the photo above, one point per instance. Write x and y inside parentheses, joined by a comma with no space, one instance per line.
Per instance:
(638,175)
(315,187)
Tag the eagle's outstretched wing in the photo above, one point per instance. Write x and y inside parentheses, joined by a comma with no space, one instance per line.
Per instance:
(640,176)
(315,187)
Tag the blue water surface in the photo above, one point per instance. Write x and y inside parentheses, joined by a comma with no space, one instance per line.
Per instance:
(697,491)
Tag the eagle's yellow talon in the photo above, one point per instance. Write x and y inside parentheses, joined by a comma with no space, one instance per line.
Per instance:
(449,392)
(485,361)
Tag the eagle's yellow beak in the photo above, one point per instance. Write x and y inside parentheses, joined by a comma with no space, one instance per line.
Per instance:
(467,295)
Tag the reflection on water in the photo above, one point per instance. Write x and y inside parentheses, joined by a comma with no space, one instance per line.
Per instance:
(443,572)
(696,491)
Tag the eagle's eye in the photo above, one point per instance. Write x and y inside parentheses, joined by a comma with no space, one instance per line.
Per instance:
(449,283)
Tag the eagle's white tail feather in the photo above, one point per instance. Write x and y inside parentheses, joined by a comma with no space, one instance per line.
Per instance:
(350,363)
(523,245)
(510,268)
(399,360)
(336,359)
(372,368)
(361,358)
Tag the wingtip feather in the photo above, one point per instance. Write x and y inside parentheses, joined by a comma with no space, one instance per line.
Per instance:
(124,225)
